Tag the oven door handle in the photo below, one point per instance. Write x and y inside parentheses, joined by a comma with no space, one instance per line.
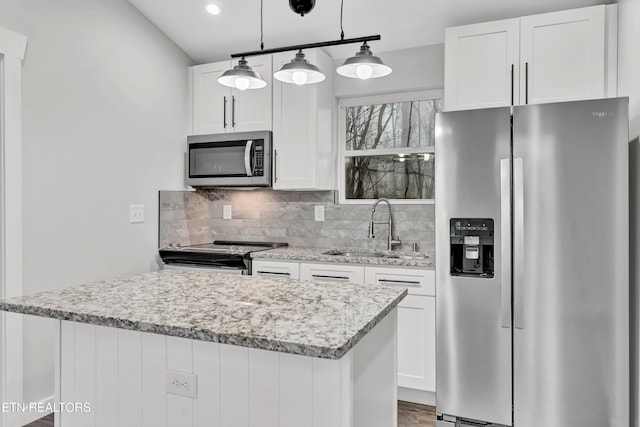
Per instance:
(247,158)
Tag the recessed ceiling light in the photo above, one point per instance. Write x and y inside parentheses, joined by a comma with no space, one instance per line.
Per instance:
(213,9)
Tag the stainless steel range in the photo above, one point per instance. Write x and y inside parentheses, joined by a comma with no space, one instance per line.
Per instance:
(222,256)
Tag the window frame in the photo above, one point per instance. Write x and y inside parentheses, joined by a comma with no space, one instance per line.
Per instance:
(343,153)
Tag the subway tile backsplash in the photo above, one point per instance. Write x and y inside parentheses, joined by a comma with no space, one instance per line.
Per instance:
(190,217)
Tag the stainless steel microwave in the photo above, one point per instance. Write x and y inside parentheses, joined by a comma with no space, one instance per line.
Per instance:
(241,159)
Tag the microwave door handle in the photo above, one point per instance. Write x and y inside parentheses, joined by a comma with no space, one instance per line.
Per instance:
(247,158)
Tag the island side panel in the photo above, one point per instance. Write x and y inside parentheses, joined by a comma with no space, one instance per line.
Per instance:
(68,371)
(56,368)
(154,367)
(129,378)
(106,376)
(259,387)
(206,363)
(264,388)
(234,385)
(375,379)
(179,353)
(85,376)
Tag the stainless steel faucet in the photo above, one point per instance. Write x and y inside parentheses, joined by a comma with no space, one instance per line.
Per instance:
(391,241)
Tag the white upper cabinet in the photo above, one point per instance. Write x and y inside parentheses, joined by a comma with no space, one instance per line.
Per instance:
(209,98)
(562,56)
(558,56)
(302,118)
(481,62)
(218,109)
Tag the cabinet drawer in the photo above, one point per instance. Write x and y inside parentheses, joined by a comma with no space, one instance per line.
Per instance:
(332,272)
(418,282)
(285,270)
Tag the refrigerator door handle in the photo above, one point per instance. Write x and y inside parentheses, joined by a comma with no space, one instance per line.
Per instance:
(518,242)
(505,243)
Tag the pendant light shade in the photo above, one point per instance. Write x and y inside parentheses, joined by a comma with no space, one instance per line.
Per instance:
(364,65)
(299,71)
(242,77)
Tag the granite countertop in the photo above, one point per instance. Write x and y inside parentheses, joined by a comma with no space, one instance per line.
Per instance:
(308,318)
(393,258)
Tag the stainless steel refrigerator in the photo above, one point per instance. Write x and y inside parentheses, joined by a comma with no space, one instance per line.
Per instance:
(532,269)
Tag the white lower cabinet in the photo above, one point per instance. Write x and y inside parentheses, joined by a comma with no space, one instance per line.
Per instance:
(416,314)
(332,272)
(283,269)
(417,343)
(416,327)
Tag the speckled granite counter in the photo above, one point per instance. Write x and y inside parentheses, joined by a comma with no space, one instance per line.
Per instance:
(394,258)
(308,318)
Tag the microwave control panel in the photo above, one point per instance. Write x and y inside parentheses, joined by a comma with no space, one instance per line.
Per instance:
(258,158)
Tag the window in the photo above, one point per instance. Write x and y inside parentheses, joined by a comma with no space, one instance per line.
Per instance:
(388,148)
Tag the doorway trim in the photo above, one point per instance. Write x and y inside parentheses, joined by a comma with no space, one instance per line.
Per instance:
(12,51)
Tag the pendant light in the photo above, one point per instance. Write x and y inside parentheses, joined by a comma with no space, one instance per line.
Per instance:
(299,71)
(242,77)
(364,65)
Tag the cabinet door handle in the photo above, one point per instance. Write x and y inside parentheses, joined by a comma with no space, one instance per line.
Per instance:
(323,276)
(512,82)
(407,283)
(275,165)
(233,111)
(526,82)
(274,273)
(224,112)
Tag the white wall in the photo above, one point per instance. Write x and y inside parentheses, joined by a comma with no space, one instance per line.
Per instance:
(413,69)
(629,85)
(104,119)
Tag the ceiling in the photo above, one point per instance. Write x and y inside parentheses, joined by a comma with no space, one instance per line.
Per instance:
(401,23)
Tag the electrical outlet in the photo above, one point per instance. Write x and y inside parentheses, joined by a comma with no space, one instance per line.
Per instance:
(319,213)
(182,384)
(226,211)
(136,214)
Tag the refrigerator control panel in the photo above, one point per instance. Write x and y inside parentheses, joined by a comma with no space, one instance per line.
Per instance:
(472,251)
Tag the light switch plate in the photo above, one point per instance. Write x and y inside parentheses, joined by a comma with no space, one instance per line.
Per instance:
(226,211)
(319,213)
(136,214)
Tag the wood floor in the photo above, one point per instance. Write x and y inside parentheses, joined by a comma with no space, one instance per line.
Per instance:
(414,415)
(409,415)
(42,422)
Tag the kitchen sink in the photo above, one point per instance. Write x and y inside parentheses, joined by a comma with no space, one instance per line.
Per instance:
(406,256)
(359,254)
(365,254)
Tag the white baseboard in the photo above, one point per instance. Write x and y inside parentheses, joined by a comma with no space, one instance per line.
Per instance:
(25,418)
(417,396)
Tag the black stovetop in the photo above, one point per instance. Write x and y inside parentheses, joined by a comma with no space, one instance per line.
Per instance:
(218,252)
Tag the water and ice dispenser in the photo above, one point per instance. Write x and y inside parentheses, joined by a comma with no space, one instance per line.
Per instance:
(472,251)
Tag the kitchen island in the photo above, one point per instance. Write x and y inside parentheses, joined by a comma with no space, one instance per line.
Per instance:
(201,349)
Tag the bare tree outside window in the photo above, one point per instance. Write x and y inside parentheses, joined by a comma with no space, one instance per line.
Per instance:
(397,126)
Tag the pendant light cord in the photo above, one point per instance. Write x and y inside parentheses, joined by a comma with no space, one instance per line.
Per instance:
(341,29)
(261,31)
